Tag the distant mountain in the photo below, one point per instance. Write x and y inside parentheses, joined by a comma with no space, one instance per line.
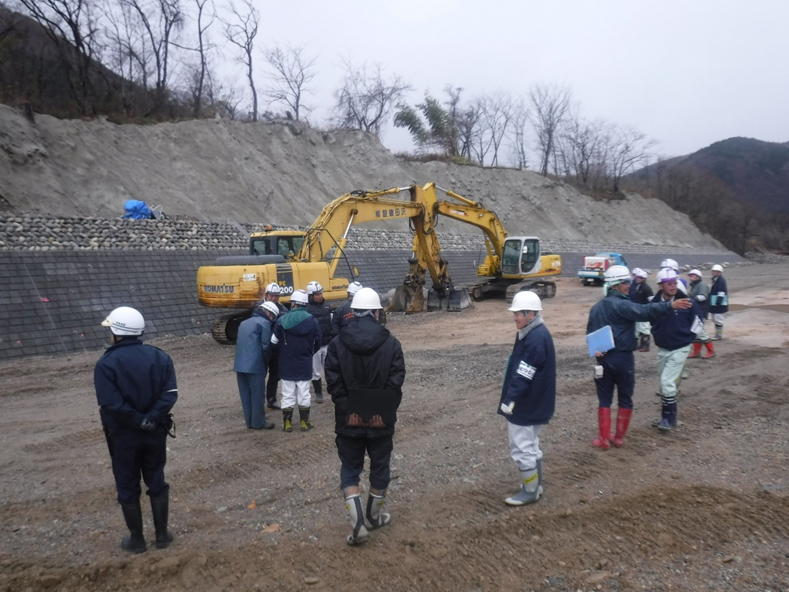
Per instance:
(756,172)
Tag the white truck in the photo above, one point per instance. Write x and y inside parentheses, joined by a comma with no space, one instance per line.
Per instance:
(594,266)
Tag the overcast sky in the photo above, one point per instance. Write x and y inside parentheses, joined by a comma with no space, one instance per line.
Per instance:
(686,72)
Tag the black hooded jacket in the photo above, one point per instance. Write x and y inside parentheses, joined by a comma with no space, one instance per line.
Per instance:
(364,355)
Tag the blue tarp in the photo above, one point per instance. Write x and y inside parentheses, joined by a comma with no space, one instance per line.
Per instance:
(137,210)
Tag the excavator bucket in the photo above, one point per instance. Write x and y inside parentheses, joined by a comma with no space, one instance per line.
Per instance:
(458,300)
(407,299)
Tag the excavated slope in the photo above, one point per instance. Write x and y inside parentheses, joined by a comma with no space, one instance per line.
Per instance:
(284,173)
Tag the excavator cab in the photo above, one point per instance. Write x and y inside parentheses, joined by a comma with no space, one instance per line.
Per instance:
(520,256)
(278,242)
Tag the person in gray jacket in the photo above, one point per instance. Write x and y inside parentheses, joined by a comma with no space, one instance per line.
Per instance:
(252,354)
(700,292)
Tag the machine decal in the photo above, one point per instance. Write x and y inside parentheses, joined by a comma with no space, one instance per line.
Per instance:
(250,277)
(285,279)
(390,212)
(221,289)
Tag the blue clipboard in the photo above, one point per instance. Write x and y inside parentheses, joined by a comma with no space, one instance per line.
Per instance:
(601,340)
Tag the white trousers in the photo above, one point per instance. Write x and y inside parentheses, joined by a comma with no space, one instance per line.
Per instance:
(718,319)
(293,391)
(702,335)
(525,445)
(318,362)
(670,364)
(642,328)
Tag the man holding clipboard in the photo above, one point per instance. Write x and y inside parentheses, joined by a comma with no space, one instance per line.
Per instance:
(616,366)
(365,370)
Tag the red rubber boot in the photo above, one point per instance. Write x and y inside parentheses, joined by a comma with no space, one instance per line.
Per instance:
(710,351)
(622,423)
(696,351)
(604,428)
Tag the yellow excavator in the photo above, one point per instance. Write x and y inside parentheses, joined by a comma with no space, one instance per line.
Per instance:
(293,258)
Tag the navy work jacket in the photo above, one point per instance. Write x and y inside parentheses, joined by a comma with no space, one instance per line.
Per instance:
(673,331)
(618,311)
(134,381)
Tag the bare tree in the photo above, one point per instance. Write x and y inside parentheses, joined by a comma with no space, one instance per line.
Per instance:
(584,147)
(468,126)
(367,98)
(160,20)
(241,32)
(628,148)
(203,47)
(292,73)
(519,124)
(549,105)
(72,27)
(129,54)
(496,116)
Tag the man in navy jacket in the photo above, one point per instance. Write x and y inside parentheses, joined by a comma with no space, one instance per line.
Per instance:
(618,365)
(528,395)
(673,335)
(298,337)
(719,300)
(136,389)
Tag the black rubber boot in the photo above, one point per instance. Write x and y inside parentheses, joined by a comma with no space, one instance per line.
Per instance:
(644,346)
(287,419)
(316,384)
(132,514)
(160,506)
(304,416)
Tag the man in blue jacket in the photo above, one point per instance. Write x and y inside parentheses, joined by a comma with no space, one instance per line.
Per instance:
(136,389)
(618,365)
(528,395)
(673,335)
(253,346)
(298,337)
(719,300)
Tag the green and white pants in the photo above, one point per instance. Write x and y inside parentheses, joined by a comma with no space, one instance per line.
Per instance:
(670,364)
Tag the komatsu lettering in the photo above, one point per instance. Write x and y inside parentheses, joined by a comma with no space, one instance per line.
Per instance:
(221,289)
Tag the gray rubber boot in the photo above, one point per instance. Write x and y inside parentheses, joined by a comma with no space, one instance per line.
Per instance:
(316,384)
(132,514)
(530,489)
(539,474)
(160,507)
(375,518)
(360,535)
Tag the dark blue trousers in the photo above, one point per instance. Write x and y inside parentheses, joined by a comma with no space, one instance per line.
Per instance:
(351,452)
(135,454)
(619,370)
(251,388)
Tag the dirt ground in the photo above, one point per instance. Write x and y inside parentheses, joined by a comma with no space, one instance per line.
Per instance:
(705,507)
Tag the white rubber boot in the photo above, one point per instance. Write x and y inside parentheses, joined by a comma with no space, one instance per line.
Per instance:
(375,518)
(353,504)
(530,489)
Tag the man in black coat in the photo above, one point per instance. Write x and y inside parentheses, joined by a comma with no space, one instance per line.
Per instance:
(136,389)
(319,309)
(365,370)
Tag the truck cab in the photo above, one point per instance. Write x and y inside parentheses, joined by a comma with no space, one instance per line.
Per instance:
(594,266)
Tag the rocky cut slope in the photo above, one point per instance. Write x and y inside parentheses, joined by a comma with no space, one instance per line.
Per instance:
(284,173)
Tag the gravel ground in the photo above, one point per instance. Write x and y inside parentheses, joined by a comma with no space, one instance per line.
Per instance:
(705,507)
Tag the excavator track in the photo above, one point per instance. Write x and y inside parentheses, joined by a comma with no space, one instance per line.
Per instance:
(543,289)
(224,330)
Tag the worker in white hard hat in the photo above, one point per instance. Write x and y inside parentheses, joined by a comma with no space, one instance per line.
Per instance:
(528,394)
(700,292)
(673,335)
(322,312)
(616,367)
(136,389)
(672,264)
(365,371)
(297,336)
(641,293)
(272,295)
(343,315)
(251,361)
(719,300)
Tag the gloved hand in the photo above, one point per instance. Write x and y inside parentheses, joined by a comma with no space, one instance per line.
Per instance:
(507,408)
(701,297)
(148,425)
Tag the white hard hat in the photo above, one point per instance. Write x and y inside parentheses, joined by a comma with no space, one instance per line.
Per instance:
(638,272)
(270,307)
(615,274)
(669,263)
(366,299)
(717,267)
(695,272)
(314,288)
(525,300)
(299,297)
(354,287)
(272,288)
(125,321)
(666,275)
